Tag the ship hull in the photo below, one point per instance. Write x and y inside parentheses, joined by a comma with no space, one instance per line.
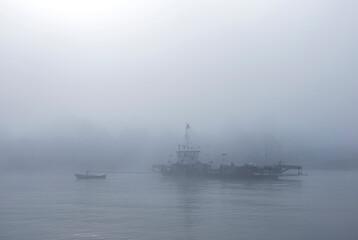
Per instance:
(199,170)
(222,176)
(90,176)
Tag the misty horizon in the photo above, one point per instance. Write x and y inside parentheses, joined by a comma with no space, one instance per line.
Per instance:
(85,146)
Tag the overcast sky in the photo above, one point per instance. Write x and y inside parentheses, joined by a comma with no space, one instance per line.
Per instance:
(288,66)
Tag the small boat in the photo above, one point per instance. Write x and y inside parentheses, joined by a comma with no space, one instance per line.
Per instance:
(90,176)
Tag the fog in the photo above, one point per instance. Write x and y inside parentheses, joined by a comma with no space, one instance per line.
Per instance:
(112,84)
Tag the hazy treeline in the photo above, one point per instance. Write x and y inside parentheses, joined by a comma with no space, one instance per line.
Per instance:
(87,146)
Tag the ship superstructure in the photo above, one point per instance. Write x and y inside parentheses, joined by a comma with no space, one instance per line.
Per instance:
(186,154)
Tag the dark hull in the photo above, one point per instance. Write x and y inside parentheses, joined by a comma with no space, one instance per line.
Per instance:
(199,170)
(222,176)
(245,177)
(90,176)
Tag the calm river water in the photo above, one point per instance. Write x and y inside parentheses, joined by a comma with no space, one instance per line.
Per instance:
(322,205)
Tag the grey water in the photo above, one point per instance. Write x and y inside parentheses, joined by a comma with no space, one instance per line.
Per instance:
(54,205)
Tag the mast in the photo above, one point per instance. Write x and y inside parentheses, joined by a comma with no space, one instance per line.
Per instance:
(265,151)
(188,155)
(187,135)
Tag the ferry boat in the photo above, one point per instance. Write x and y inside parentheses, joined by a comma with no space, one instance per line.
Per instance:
(188,164)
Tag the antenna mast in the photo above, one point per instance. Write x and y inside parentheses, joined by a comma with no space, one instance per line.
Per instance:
(187,135)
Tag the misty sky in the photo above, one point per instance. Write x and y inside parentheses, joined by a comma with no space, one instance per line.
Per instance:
(287,66)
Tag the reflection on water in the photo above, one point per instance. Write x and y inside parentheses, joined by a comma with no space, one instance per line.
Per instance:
(227,204)
(150,206)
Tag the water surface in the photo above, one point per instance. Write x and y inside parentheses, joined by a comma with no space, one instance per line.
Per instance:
(54,205)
